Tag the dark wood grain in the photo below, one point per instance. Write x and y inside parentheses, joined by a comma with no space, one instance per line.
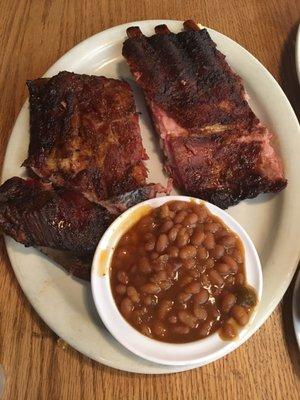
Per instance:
(33,35)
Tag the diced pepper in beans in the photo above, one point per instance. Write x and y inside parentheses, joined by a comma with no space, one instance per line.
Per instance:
(178,275)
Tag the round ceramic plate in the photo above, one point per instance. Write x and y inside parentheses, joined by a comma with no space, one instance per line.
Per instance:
(272,221)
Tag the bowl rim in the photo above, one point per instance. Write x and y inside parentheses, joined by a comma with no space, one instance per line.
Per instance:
(212,347)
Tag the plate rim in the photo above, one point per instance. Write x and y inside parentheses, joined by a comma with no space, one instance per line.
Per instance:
(51,71)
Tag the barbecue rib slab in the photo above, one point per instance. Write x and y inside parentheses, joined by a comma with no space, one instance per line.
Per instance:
(35,214)
(85,135)
(215,147)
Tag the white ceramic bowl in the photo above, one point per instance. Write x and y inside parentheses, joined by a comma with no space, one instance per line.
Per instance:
(201,351)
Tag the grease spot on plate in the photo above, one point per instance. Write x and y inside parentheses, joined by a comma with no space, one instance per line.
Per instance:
(102,262)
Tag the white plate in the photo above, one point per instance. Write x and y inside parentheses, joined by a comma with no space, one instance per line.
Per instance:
(296,309)
(272,221)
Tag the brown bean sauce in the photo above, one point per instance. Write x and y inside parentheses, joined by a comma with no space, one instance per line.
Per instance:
(177,275)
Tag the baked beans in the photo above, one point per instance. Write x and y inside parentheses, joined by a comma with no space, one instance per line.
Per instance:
(178,275)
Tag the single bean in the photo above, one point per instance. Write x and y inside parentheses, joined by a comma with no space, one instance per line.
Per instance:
(173,251)
(200,312)
(211,227)
(223,269)
(228,331)
(185,280)
(209,241)
(150,300)
(133,294)
(149,237)
(126,307)
(144,265)
(240,315)
(188,251)
(231,262)
(164,211)
(201,297)
(237,255)
(182,230)
(187,319)
(180,216)
(150,288)
(189,263)
(166,226)
(202,253)
(164,307)
(204,329)
(145,223)
(215,278)
(221,233)
(197,238)
(214,312)
(162,243)
(182,239)
(159,329)
(173,233)
(149,246)
(160,263)
(181,329)
(228,241)
(228,302)
(120,289)
(122,277)
(217,252)
(160,276)
(201,212)
(183,297)
(190,219)
(193,287)
(177,205)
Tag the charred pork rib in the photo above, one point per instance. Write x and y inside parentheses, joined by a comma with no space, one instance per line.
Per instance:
(35,214)
(215,146)
(85,135)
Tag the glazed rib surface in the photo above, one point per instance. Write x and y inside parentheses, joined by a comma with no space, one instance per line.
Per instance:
(85,135)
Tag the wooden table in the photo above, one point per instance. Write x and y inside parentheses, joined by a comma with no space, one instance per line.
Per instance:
(33,35)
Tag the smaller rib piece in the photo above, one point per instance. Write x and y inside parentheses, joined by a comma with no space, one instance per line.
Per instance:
(35,214)
(85,135)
